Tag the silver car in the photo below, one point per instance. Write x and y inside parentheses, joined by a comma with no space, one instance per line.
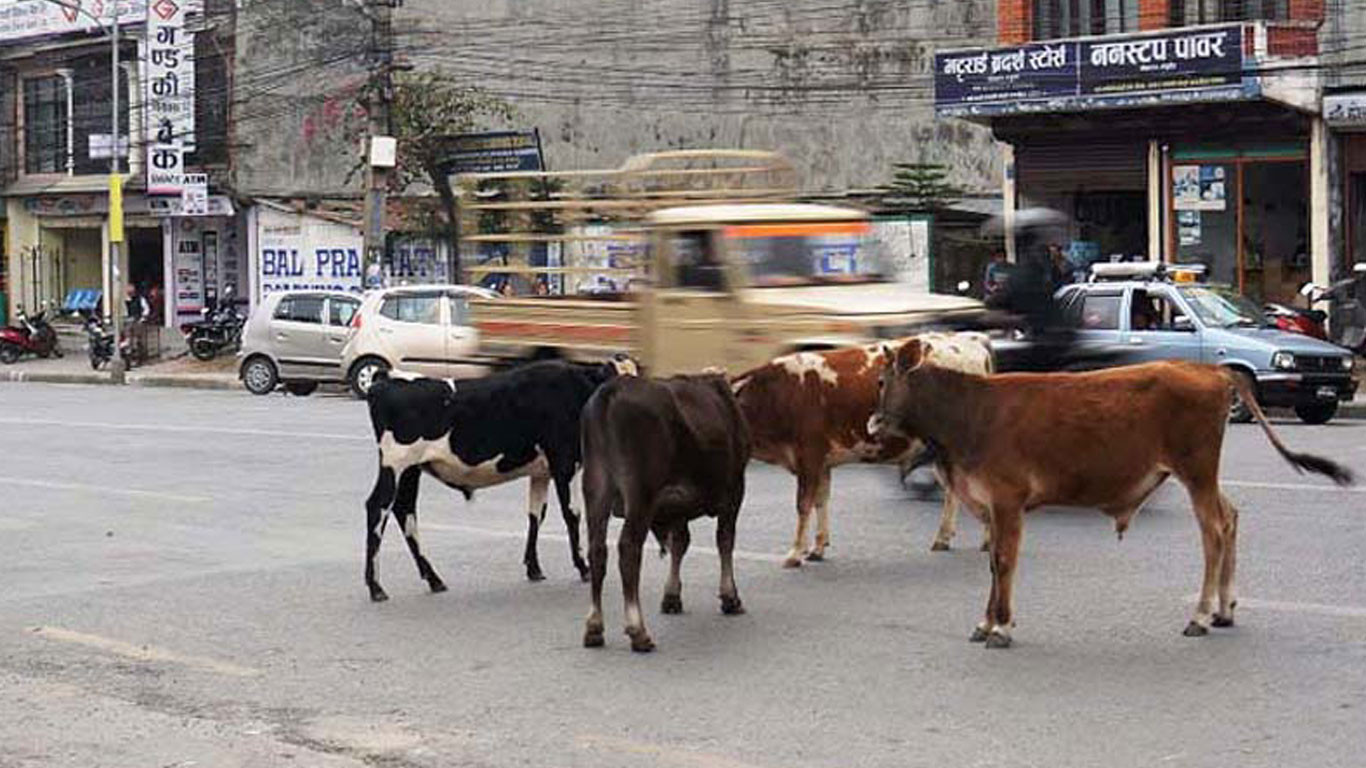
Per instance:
(295,338)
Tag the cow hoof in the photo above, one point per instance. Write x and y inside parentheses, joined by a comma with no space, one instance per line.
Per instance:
(671,604)
(593,639)
(792,562)
(437,585)
(731,606)
(986,547)
(816,557)
(378,595)
(1195,630)
(583,575)
(535,575)
(641,642)
(1223,622)
(940,546)
(979,635)
(998,640)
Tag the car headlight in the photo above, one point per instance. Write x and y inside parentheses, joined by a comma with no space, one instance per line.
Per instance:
(1348,362)
(1283,361)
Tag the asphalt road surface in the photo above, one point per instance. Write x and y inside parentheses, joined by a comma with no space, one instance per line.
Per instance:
(182,587)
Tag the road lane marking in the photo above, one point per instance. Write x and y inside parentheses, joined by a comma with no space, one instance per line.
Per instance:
(660,754)
(739,554)
(147,653)
(1285,606)
(360,436)
(104,490)
(1290,486)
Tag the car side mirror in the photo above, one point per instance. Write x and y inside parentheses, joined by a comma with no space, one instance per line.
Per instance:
(1182,323)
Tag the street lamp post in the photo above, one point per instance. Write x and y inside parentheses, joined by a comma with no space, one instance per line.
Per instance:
(116,366)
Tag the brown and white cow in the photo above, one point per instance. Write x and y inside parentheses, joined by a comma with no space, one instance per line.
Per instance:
(1011,443)
(808,412)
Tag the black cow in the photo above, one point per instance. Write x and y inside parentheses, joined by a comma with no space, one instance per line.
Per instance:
(660,453)
(471,435)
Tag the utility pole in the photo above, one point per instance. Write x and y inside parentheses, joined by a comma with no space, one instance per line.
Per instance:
(379,145)
(116,365)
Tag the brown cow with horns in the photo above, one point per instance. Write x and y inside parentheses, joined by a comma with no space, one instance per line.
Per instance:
(1011,443)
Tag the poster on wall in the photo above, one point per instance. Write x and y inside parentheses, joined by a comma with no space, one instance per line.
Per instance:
(189,276)
(415,261)
(1199,188)
(297,253)
(1188,227)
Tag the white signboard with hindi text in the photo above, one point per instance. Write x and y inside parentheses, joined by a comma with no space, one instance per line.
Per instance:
(20,19)
(169,95)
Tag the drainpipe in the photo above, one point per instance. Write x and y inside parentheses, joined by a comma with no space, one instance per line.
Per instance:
(67,77)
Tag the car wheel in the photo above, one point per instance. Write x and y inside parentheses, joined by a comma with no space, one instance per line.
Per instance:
(301,388)
(1317,413)
(1239,412)
(259,376)
(363,375)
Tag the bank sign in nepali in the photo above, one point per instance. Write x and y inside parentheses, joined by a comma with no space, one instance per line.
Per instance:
(1203,64)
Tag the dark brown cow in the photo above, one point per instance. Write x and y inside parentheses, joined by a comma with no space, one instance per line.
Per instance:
(659,453)
(808,412)
(1010,443)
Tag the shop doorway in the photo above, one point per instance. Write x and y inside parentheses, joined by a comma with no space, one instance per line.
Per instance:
(147,267)
(1356,219)
(1247,219)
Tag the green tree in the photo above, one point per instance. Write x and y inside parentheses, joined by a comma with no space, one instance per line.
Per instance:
(428,108)
(919,188)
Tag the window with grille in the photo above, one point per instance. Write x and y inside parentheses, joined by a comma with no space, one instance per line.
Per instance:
(45,121)
(1191,12)
(1074,18)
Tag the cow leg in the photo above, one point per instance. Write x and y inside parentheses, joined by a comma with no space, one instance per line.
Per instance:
(1007,529)
(817,553)
(807,486)
(948,524)
(405,513)
(535,515)
(376,515)
(983,628)
(1227,599)
(597,510)
(563,485)
(673,588)
(725,545)
(1209,513)
(629,546)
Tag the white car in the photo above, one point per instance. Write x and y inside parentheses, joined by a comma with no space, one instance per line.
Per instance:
(418,329)
(296,338)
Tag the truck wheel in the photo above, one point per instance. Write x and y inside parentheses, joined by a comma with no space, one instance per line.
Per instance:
(1239,412)
(259,376)
(363,375)
(1317,413)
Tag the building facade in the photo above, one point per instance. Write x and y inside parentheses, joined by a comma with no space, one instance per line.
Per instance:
(56,72)
(1179,130)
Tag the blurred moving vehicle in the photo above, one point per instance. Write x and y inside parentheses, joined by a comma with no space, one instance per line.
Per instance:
(729,286)
(420,329)
(31,334)
(1168,313)
(296,338)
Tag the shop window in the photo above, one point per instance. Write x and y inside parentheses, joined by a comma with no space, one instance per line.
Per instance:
(425,310)
(301,309)
(45,122)
(1191,12)
(1074,18)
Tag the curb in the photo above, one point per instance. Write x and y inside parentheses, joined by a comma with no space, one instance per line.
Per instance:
(56,377)
(182,382)
(132,379)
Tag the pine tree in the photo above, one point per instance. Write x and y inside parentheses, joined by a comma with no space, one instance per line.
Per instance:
(919,188)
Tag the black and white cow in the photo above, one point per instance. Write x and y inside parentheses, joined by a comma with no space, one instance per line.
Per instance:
(478,433)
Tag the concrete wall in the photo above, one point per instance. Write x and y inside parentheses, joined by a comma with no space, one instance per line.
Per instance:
(844,90)
(1340,41)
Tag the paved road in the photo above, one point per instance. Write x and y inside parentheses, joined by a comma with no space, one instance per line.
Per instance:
(182,586)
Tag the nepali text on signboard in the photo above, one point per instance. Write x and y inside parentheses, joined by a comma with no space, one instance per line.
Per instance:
(1345,110)
(498,152)
(170,95)
(21,19)
(1203,64)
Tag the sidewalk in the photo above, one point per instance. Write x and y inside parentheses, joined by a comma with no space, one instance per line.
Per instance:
(187,372)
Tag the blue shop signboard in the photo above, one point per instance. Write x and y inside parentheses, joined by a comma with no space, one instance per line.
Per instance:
(1183,65)
(494,152)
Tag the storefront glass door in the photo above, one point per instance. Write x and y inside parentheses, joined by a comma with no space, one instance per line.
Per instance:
(1275,231)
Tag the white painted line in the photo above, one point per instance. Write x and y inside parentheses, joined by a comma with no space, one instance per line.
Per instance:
(104,490)
(650,545)
(659,754)
(149,653)
(1320,609)
(1291,486)
(359,435)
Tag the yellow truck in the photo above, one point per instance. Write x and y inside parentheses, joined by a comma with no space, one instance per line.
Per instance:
(727,285)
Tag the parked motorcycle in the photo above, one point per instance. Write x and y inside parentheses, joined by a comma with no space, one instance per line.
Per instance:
(1307,322)
(100,343)
(221,329)
(33,334)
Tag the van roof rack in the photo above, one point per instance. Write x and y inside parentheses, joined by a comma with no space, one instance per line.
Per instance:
(1148,270)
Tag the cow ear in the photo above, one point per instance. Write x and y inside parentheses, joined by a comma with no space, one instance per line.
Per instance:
(908,357)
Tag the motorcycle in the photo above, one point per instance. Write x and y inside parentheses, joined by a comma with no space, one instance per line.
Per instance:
(221,329)
(33,334)
(1307,322)
(100,343)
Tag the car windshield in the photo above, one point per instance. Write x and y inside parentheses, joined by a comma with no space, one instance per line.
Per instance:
(1222,307)
(782,255)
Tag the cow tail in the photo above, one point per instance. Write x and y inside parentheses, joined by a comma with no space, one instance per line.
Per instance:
(1300,461)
